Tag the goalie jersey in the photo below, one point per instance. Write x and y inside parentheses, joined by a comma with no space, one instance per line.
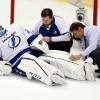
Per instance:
(14,42)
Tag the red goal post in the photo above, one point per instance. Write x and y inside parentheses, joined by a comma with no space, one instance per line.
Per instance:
(95,12)
(12,13)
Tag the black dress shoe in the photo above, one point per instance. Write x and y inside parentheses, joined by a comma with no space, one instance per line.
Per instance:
(98,76)
(97,71)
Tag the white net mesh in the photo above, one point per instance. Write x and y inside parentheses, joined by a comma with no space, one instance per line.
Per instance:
(27,12)
(4,11)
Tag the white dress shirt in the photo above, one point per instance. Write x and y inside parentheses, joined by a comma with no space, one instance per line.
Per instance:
(92,34)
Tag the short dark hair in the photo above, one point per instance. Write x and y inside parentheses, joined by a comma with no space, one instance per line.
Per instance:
(76,25)
(47,12)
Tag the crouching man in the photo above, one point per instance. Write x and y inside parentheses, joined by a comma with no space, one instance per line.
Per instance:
(54,31)
(91,42)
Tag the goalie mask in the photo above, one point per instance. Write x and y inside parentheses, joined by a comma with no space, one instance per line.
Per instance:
(2,31)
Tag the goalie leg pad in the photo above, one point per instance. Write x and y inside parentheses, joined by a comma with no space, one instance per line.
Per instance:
(90,75)
(40,70)
(75,70)
(68,69)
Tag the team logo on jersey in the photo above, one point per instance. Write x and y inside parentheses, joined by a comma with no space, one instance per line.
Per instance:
(14,41)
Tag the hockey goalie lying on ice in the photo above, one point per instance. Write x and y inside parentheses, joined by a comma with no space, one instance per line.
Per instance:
(16,43)
(19,43)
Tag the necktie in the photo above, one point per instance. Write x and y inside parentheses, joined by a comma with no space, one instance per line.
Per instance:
(85,42)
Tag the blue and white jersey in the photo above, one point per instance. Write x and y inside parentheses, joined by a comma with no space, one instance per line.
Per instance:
(57,30)
(14,43)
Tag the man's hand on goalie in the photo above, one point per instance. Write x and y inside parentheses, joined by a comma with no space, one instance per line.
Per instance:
(46,39)
(75,57)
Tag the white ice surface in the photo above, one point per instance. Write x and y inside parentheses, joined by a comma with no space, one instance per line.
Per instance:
(27,14)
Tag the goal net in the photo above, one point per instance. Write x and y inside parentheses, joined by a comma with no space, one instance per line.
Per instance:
(27,12)
(4,11)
